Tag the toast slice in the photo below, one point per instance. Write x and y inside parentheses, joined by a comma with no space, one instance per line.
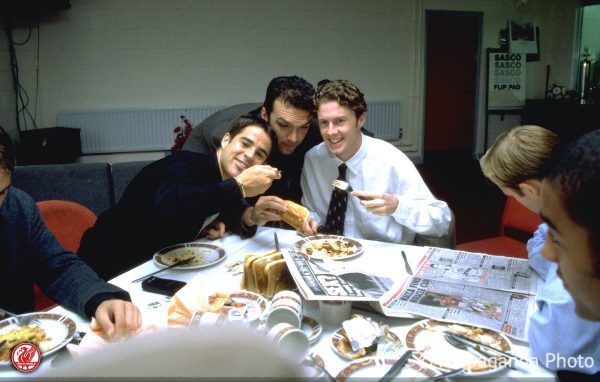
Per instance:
(278,278)
(248,280)
(258,267)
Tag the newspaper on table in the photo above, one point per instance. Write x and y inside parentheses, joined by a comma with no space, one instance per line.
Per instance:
(493,292)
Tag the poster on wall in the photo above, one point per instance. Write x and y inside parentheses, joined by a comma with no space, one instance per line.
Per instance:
(506,80)
(522,37)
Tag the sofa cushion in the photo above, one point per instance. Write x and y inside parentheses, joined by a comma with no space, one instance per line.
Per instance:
(123,173)
(88,184)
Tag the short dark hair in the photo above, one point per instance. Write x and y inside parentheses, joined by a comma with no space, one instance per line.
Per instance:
(576,173)
(251,120)
(7,151)
(295,91)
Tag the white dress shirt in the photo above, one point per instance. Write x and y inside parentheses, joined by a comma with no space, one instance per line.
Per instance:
(377,167)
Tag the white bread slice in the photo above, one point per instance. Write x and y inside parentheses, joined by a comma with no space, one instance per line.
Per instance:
(278,278)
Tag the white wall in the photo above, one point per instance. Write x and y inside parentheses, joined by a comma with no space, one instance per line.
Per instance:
(154,53)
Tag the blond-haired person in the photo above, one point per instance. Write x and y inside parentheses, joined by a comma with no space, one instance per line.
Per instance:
(516,163)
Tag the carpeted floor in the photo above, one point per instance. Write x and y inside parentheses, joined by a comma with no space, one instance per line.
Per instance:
(456,178)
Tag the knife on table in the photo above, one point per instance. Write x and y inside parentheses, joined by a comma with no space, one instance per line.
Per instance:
(396,366)
(184,261)
(406,264)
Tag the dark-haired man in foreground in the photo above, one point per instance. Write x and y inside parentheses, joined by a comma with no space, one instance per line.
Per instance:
(29,253)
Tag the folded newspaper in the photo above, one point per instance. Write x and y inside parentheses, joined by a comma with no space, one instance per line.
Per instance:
(493,292)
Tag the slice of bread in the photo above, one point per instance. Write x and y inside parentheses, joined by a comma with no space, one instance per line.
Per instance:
(278,277)
(260,276)
(296,215)
(248,280)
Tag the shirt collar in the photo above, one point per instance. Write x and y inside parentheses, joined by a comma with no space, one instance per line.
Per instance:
(354,162)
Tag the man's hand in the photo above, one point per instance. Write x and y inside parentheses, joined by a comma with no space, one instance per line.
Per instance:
(310,227)
(378,204)
(267,208)
(257,179)
(116,319)
(215,230)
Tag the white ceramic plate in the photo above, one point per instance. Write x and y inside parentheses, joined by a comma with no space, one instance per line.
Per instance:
(59,330)
(427,337)
(342,347)
(373,368)
(312,328)
(205,255)
(329,246)
(251,307)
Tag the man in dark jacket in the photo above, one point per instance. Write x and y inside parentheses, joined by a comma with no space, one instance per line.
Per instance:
(178,199)
(29,254)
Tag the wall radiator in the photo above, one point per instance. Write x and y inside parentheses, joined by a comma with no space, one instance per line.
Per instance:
(151,129)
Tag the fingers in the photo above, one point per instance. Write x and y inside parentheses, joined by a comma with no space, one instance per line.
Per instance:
(380,204)
(270,208)
(116,319)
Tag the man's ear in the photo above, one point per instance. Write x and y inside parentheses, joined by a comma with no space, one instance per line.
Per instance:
(263,114)
(531,187)
(362,120)
(225,140)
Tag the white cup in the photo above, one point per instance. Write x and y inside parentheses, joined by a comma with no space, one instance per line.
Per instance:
(286,306)
(292,341)
(334,312)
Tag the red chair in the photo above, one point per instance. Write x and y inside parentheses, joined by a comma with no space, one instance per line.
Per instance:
(67,221)
(516,226)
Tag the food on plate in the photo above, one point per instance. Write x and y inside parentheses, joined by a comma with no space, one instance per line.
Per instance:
(217,300)
(28,333)
(329,248)
(344,347)
(266,274)
(183,254)
(296,215)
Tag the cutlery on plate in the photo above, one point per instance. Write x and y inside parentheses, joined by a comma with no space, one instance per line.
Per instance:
(2,344)
(467,339)
(406,264)
(396,366)
(317,361)
(181,262)
(480,353)
(21,319)
(444,375)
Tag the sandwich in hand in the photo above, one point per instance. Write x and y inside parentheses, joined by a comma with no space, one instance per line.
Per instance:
(296,215)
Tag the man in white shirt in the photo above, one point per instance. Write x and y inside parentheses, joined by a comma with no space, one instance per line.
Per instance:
(391,203)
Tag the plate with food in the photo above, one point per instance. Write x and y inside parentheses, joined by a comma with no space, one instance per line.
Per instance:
(242,305)
(341,345)
(312,328)
(427,338)
(329,247)
(373,368)
(50,333)
(202,255)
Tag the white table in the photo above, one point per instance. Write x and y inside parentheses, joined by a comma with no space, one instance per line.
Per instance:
(379,257)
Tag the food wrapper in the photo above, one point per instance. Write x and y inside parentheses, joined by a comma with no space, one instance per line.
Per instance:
(362,332)
(188,300)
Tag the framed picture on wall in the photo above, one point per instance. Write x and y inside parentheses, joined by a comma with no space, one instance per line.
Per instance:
(522,37)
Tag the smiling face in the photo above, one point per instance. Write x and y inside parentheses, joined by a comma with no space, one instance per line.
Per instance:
(249,147)
(340,129)
(568,244)
(289,123)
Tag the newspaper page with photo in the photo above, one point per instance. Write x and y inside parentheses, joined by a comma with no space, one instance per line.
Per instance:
(494,292)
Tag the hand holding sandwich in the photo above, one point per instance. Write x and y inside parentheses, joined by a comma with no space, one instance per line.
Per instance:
(378,204)
(268,208)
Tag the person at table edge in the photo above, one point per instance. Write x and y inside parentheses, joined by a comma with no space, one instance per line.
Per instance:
(178,198)
(516,163)
(570,207)
(391,202)
(30,253)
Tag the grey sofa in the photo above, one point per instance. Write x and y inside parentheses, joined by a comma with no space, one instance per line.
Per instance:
(98,186)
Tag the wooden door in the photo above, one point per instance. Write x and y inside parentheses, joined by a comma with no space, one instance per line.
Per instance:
(451,78)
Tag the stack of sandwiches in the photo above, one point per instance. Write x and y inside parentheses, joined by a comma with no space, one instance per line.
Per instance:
(266,274)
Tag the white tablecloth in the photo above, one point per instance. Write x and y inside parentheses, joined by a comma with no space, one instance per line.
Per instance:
(380,258)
